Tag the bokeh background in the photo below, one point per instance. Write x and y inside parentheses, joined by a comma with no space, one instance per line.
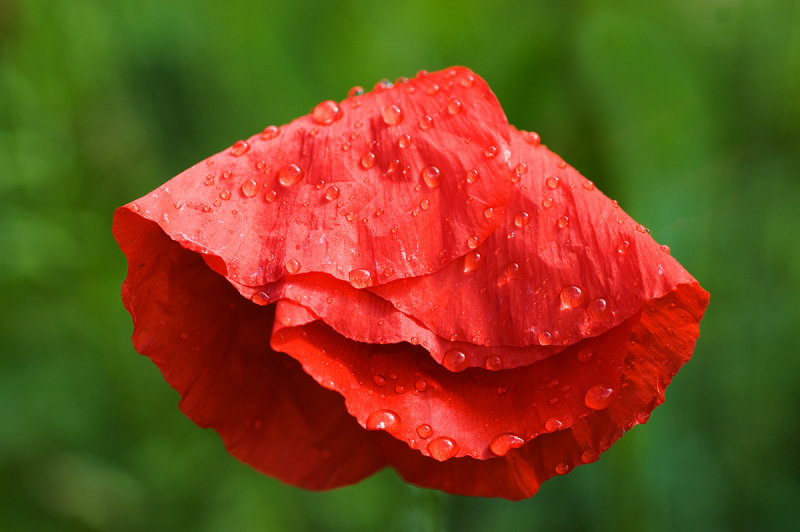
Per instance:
(687,112)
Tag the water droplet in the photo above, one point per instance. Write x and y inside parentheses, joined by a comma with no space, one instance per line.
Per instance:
(424,431)
(432,89)
(561,164)
(562,468)
(368,160)
(383,420)
(206,208)
(547,203)
(563,222)
(426,122)
(332,193)
(531,138)
(589,455)
(472,175)
(598,310)
(379,380)
(392,115)
(442,448)
(326,112)
(260,298)
(209,180)
(290,174)
(431,176)
(472,242)
(472,261)
(588,185)
(424,204)
(455,360)
(250,188)
(598,397)
(454,106)
(505,442)
(355,91)
(399,388)
(488,212)
(468,81)
(271,196)
(360,278)
(493,363)
(240,147)
(553,424)
(623,247)
(421,385)
(490,151)
(551,182)
(585,354)
(405,141)
(292,266)
(349,216)
(545,338)
(642,417)
(665,248)
(571,297)
(225,194)
(521,219)
(270,132)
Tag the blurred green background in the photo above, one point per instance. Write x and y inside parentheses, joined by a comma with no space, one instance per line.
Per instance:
(687,112)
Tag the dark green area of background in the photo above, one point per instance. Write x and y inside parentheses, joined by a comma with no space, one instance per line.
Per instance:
(687,112)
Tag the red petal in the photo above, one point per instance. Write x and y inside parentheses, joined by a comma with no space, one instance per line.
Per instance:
(212,347)
(472,408)
(538,283)
(326,193)
(659,344)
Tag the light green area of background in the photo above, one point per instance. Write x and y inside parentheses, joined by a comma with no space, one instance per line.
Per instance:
(687,112)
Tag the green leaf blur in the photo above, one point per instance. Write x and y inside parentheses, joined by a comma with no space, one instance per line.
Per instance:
(686,112)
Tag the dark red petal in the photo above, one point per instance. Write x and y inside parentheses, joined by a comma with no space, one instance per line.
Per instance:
(659,344)
(472,408)
(212,347)
(349,189)
(565,264)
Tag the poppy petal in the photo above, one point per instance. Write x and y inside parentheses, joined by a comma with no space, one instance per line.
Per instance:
(348,189)
(212,347)
(659,344)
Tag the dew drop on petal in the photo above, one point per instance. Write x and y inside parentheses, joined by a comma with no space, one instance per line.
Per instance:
(598,310)
(240,147)
(504,443)
(588,185)
(424,431)
(531,138)
(490,151)
(472,242)
(405,141)
(383,420)
(488,212)
(332,193)
(520,170)
(209,180)
(571,297)
(585,354)
(562,468)
(598,397)
(623,247)
(271,196)
(442,448)
(426,122)
(431,175)
(665,248)
(455,360)
(379,380)
(553,424)
(468,81)
(563,222)
(368,160)
(547,203)
(360,278)
(250,188)
(292,266)
(521,219)
(270,132)
(421,385)
(225,194)
(326,112)
(551,182)
(472,175)
(589,455)
(545,338)
(493,363)
(260,298)
(290,174)
(424,204)
(355,91)
(454,106)
(472,261)
(392,115)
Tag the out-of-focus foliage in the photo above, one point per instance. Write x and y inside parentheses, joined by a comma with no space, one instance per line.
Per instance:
(686,112)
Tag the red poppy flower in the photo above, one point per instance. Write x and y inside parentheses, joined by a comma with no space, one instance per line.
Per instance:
(404,279)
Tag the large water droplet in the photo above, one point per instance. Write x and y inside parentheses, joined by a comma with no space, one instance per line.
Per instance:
(547,203)
(271,196)
(520,170)
(326,112)
(493,363)
(545,338)
(260,298)
(598,310)
(563,222)
(562,469)
(332,193)
(383,420)
(472,175)
(360,278)
(488,212)
(454,106)
(392,115)
(504,443)
(250,188)
(472,261)
(292,266)
(521,219)
(405,141)
(442,448)
(379,380)
(623,247)
(589,455)
(426,122)
(431,175)
(472,242)
(240,147)
(598,396)
(290,174)
(455,360)
(424,431)
(368,160)
(490,151)
(571,297)
(551,182)
(553,424)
